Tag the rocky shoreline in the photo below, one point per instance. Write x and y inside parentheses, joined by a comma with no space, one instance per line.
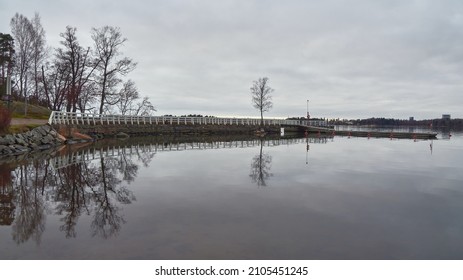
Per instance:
(38,139)
(47,137)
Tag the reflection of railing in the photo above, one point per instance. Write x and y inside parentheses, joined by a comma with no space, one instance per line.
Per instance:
(68,118)
(116,151)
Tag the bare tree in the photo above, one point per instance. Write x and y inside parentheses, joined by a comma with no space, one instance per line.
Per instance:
(39,52)
(128,95)
(80,67)
(88,97)
(108,40)
(261,97)
(144,108)
(55,79)
(22,30)
(31,52)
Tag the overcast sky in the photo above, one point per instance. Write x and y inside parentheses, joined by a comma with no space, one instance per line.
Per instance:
(351,59)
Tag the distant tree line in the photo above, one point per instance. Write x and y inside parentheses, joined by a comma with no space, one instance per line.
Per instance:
(452,123)
(71,77)
(304,119)
(457,123)
(382,121)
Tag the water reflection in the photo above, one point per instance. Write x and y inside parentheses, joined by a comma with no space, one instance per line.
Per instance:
(93,181)
(261,163)
(30,204)
(195,201)
(260,167)
(6,195)
(96,188)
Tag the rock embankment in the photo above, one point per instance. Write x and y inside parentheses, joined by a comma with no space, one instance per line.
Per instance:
(40,138)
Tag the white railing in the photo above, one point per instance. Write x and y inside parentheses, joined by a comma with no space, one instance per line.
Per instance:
(70,118)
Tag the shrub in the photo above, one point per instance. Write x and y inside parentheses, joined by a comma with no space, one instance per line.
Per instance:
(5,119)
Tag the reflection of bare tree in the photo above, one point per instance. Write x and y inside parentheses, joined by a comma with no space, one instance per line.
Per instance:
(96,188)
(260,167)
(72,195)
(30,220)
(107,219)
(6,195)
(145,157)
(127,168)
(89,187)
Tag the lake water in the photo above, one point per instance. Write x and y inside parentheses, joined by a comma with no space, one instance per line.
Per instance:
(315,198)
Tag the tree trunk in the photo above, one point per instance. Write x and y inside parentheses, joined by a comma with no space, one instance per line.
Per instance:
(103,96)
(261,119)
(103,90)
(45,87)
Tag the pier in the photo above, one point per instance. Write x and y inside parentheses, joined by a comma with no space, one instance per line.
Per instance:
(372,134)
(386,134)
(158,125)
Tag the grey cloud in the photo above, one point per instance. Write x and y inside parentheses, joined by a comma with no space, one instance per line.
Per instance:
(350,58)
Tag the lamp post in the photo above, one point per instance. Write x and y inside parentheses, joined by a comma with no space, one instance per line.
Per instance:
(308,116)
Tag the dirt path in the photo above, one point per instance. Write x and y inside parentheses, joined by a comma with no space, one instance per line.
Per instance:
(27,121)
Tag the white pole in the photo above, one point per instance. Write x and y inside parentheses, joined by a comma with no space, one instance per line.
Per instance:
(8,86)
(8,91)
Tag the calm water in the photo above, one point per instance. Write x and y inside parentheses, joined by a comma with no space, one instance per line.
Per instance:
(337,198)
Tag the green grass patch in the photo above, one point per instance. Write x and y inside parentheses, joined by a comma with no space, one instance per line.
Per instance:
(15,129)
(33,111)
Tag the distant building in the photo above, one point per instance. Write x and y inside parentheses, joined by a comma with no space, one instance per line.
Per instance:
(411,119)
(446,117)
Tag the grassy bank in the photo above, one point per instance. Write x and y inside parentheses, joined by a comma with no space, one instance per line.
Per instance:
(17,111)
(33,111)
(21,128)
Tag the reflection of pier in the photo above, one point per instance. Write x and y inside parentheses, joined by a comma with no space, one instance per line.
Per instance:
(94,153)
